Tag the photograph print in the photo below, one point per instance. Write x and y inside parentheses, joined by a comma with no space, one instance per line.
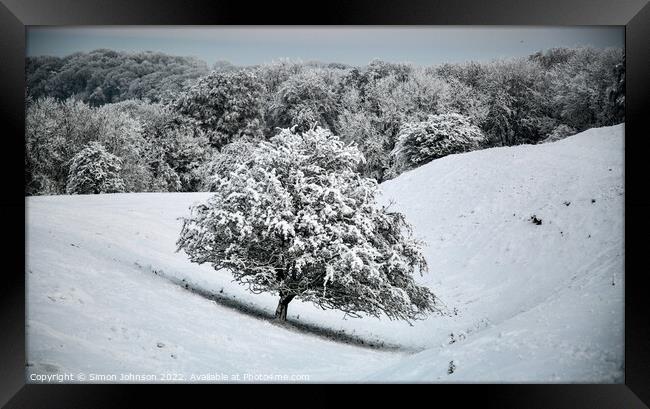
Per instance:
(427,204)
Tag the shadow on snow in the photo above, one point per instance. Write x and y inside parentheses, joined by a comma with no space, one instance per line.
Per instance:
(295,325)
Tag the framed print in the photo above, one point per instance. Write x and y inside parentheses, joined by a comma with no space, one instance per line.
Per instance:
(447,194)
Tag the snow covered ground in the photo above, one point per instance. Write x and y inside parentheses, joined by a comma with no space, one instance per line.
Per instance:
(528,302)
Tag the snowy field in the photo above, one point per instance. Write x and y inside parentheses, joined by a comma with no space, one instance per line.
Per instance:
(527,302)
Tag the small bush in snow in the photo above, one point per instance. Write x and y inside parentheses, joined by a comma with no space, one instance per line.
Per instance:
(94,170)
(438,136)
(296,219)
(560,132)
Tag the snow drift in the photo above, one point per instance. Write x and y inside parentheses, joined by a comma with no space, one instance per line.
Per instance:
(525,248)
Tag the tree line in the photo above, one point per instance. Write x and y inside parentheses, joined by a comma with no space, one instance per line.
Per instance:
(151,122)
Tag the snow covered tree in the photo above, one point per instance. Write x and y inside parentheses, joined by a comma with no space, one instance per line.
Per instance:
(580,88)
(297,220)
(361,128)
(225,104)
(415,98)
(616,93)
(438,136)
(122,136)
(173,149)
(46,150)
(305,99)
(94,170)
(518,103)
(54,132)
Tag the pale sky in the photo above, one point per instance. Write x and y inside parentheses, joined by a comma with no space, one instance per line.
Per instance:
(422,45)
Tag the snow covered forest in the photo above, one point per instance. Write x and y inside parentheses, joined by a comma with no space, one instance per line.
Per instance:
(167,124)
(460,222)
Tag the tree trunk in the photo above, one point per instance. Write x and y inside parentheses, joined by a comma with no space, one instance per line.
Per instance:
(283,305)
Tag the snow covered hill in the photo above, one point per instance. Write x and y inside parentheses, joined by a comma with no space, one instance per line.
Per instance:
(525,247)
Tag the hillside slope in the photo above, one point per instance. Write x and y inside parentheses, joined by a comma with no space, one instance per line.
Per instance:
(541,302)
(527,302)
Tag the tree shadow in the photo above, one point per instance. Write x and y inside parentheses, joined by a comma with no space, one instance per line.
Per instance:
(258,312)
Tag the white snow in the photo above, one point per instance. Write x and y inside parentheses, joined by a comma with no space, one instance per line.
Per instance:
(528,303)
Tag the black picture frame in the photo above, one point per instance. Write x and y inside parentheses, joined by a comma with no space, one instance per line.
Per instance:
(15,15)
